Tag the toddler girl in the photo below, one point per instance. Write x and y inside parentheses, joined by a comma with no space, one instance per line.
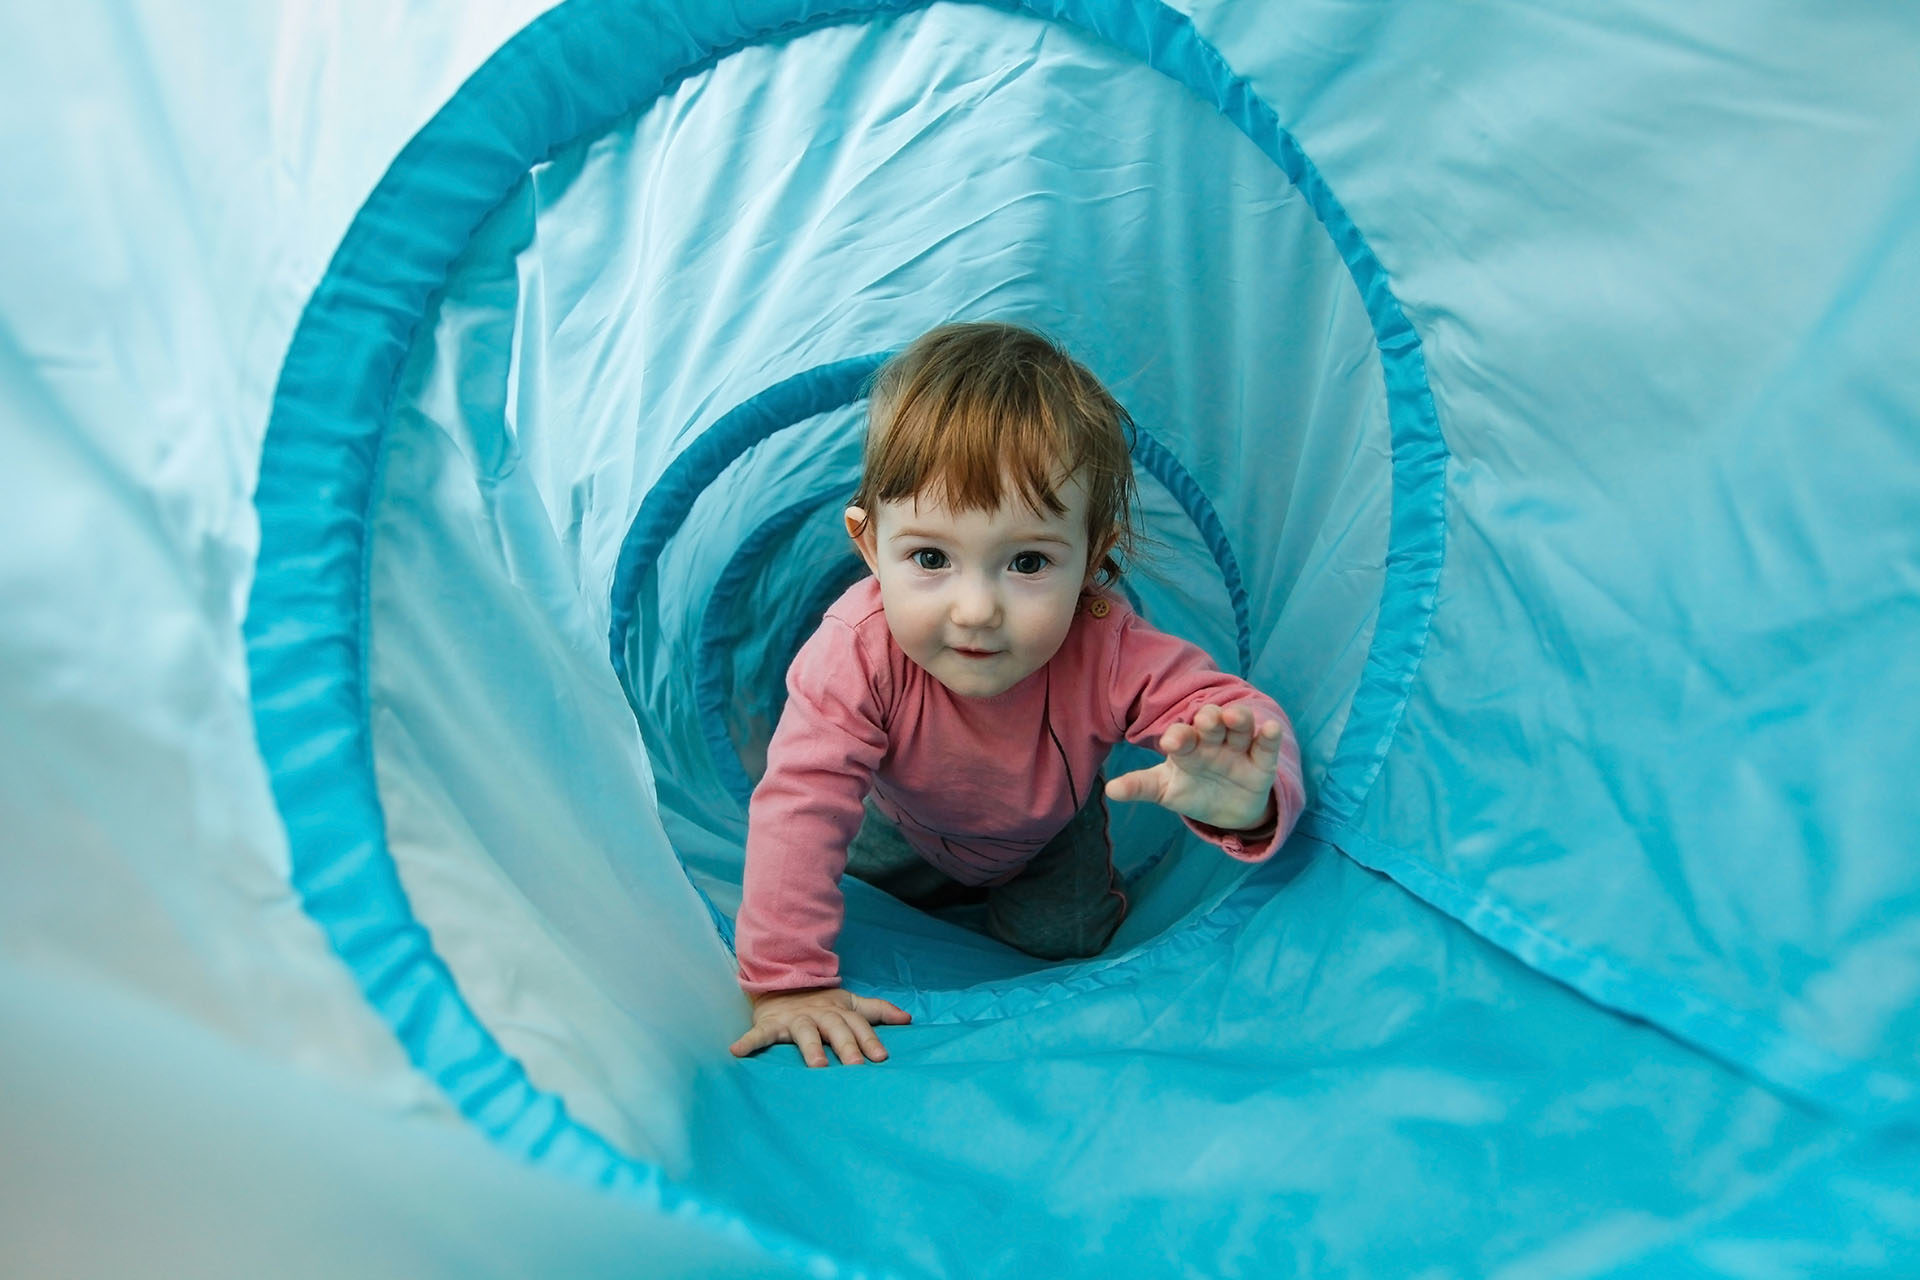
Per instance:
(946,724)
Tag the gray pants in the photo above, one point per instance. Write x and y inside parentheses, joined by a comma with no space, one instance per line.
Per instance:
(1064,905)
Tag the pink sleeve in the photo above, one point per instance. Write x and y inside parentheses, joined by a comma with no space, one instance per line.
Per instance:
(804,813)
(1159,681)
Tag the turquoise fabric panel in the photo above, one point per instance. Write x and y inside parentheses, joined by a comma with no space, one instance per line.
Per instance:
(1634,990)
(577,377)
(158,1146)
(518,811)
(1343,1083)
(1660,731)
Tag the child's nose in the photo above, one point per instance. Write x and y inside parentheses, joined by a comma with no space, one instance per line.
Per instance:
(975,604)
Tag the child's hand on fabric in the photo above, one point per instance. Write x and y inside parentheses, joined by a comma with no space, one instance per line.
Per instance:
(1219,770)
(805,1018)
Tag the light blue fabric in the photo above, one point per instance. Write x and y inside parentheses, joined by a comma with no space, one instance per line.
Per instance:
(1528,404)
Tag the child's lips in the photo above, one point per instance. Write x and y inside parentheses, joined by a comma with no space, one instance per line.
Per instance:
(977,653)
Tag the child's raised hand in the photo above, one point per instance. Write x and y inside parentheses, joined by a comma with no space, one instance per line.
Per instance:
(1219,770)
(805,1018)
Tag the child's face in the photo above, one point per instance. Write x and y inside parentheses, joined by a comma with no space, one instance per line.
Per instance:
(980,599)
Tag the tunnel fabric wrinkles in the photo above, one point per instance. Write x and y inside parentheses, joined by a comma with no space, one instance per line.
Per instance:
(308,625)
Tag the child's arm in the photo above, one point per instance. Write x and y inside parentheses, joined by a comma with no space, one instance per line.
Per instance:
(804,813)
(1232,767)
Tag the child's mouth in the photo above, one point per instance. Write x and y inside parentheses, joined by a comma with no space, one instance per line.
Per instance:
(977,653)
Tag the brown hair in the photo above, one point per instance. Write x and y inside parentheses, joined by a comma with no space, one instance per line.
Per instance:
(969,406)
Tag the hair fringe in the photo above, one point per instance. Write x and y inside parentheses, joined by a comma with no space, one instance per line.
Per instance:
(968,408)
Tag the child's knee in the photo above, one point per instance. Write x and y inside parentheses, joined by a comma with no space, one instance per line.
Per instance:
(1077,936)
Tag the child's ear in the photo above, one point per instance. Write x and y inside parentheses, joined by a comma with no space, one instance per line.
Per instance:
(1098,552)
(860,529)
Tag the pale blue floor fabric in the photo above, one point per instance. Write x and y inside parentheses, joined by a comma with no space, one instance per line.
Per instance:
(428,427)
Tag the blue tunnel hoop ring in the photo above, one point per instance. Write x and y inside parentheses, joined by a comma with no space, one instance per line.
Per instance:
(571,73)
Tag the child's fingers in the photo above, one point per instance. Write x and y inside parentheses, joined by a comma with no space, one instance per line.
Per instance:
(756,1039)
(869,1042)
(1238,722)
(881,1011)
(1230,729)
(806,1038)
(1263,753)
(1141,784)
(840,1034)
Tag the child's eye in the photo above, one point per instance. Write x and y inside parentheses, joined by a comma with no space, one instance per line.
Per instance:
(1029,563)
(928,558)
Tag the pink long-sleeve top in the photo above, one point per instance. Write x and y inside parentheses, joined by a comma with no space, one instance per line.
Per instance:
(977,786)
